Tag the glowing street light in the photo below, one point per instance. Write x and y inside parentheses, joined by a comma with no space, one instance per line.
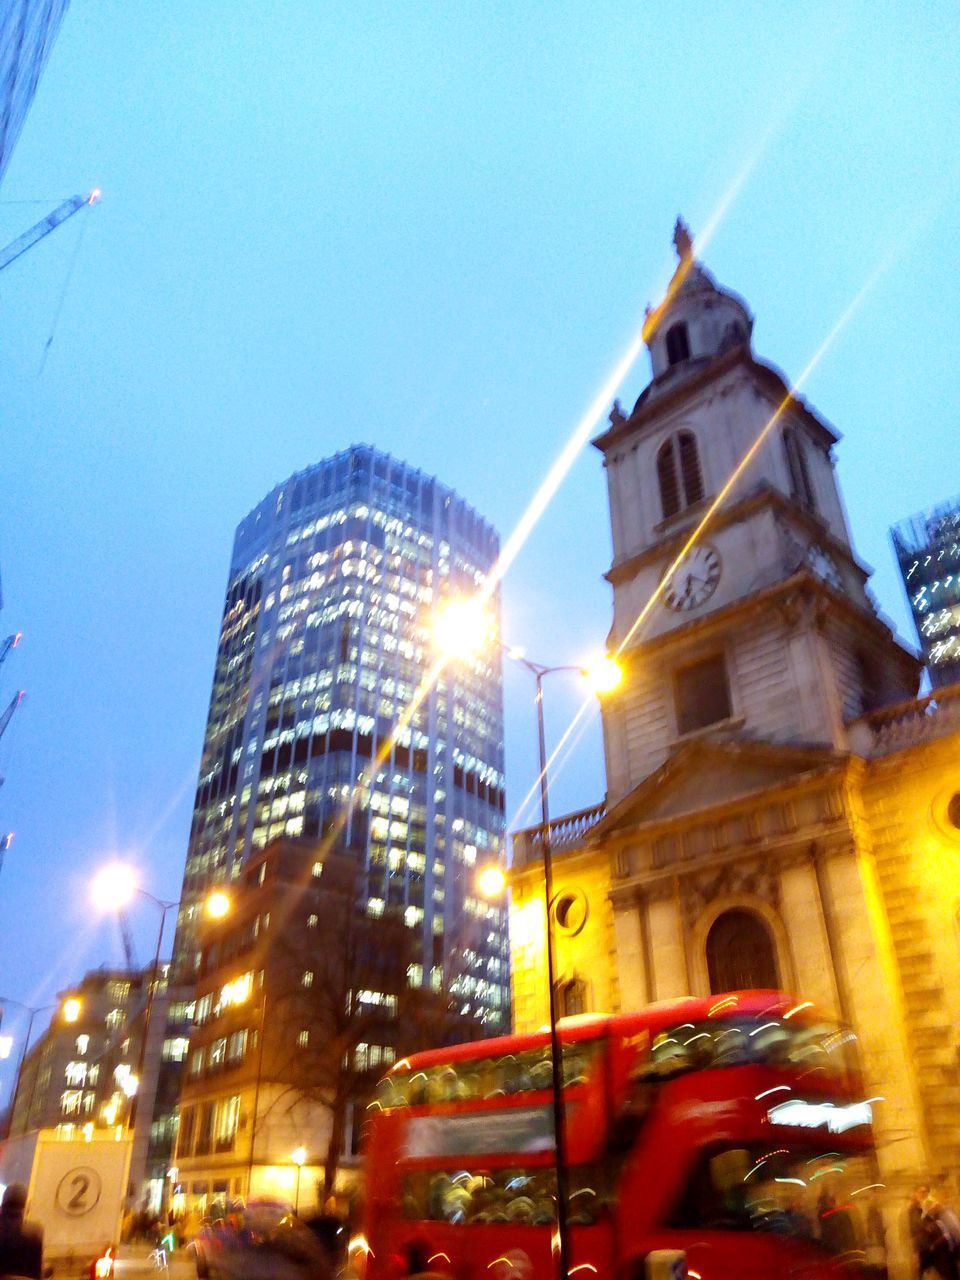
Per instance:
(462,627)
(218,905)
(602,674)
(492,882)
(114,887)
(71,1009)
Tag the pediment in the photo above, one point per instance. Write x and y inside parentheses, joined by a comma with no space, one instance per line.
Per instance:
(709,774)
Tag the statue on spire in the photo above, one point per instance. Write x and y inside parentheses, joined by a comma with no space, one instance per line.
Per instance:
(682,240)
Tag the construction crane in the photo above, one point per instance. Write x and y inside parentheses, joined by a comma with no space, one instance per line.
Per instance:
(127,938)
(43,228)
(8,714)
(11,642)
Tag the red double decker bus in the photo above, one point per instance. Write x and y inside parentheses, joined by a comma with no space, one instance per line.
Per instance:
(729,1133)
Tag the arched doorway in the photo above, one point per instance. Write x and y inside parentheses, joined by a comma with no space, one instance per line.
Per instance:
(740,953)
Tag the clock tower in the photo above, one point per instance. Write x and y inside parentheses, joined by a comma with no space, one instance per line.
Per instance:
(764,628)
(781,809)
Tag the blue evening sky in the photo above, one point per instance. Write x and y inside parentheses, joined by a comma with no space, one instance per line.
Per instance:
(433,227)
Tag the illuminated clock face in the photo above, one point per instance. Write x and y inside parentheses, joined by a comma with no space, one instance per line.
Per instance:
(694,580)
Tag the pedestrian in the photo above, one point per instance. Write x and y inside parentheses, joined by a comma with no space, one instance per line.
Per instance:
(919,1234)
(950,1223)
(21,1242)
(943,1242)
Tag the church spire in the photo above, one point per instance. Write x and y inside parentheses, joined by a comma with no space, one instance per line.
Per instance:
(697,319)
(682,241)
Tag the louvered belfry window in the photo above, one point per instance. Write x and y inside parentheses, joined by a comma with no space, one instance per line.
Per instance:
(678,344)
(800,485)
(678,473)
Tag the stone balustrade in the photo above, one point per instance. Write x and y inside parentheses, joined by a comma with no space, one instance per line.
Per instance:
(906,724)
(565,833)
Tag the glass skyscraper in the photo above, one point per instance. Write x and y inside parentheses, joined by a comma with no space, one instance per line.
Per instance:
(334,583)
(928,554)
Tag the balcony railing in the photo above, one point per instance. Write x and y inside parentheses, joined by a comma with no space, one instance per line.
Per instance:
(907,724)
(565,833)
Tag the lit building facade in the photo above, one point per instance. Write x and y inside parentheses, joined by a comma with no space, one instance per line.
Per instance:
(299,1003)
(82,1070)
(334,584)
(782,810)
(928,553)
(28,29)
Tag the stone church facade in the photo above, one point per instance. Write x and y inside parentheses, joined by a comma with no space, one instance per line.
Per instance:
(782,810)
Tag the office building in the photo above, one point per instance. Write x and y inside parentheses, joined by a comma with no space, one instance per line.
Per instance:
(321,723)
(299,1009)
(928,553)
(82,1070)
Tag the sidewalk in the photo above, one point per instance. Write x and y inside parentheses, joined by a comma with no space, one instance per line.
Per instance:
(137,1260)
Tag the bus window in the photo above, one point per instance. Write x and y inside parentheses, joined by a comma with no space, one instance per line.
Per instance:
(474,1079)
(815,1195)
(819,1048)
(482,1196)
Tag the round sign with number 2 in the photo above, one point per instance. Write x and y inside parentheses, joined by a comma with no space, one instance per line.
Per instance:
(78,1192)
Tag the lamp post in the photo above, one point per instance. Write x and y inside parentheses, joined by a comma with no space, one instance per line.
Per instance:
(113,889)
(5,1000)
(539,671)
(462,630)
(298,1157)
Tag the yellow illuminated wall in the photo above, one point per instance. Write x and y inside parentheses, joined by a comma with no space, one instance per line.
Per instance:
(912,832)
(586,950)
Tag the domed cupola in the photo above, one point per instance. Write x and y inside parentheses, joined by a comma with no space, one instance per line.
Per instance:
(696,321)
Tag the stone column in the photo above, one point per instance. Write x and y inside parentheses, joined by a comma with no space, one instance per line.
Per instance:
(803,914)
(666,944)
(632,949)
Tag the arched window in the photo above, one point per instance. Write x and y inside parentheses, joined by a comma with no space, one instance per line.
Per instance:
(678,344)
(571,997)
(678,473)
(740,954)
(800,486)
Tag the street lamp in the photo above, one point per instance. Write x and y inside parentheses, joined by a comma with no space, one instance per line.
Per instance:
(461,631)
(5,1000)
(113,889)
(491,881)
(218,905)
(298,1157)
(71,1010)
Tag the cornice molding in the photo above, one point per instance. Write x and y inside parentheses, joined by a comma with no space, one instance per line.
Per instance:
(761,602)
(671,399)
(770,857)
(762,497)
